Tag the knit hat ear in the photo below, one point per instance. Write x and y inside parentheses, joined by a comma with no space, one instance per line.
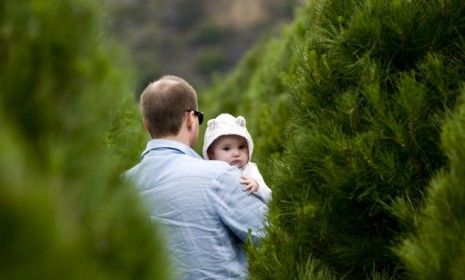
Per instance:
(212,124)
(240,121)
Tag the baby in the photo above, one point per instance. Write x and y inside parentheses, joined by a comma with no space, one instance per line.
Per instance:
(227,139)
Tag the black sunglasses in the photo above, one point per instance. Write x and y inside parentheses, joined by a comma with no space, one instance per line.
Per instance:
(198,114)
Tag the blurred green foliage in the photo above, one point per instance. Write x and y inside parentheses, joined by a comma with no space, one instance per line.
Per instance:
(210,61)
(346,109)
(69,128)
(436,249)
(209,34)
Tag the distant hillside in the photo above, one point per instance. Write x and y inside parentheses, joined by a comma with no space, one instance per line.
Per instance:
(194,39)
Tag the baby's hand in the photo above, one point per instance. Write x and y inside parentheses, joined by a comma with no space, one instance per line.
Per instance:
(250,184)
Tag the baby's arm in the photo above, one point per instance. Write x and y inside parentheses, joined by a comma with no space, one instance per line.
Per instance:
(262,189)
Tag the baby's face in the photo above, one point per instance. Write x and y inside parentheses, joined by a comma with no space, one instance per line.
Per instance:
(231,148)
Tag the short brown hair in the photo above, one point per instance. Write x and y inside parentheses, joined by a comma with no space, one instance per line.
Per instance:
(163,104)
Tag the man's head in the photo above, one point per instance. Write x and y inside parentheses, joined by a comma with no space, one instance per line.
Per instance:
(167,105)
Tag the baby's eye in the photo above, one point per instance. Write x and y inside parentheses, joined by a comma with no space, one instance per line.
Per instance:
(226,149)
(242,147)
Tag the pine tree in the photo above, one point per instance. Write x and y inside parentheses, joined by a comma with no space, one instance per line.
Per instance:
(368,85)
(437,249)
(65,104)
(377,78)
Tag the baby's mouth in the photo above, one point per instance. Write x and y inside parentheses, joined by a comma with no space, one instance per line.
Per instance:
(236,162)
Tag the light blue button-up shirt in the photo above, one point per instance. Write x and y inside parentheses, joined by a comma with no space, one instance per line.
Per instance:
(201,208)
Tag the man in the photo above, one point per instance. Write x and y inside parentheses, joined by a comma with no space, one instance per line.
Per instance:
(200,205)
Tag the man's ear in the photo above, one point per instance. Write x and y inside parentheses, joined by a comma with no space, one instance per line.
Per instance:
(190,119)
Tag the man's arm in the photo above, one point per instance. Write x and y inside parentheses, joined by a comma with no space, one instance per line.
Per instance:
(239,211)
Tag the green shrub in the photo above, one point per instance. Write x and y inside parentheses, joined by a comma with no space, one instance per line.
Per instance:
(363,89)
(68,131)
(209,34)
(436,249)
(210,61)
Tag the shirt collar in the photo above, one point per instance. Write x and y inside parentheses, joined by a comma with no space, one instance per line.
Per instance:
(169,145)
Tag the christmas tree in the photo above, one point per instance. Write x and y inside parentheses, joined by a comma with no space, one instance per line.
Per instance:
(367,86)
(436,249)
(66,106)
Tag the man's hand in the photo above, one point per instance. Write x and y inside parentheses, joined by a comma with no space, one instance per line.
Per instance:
(250,185)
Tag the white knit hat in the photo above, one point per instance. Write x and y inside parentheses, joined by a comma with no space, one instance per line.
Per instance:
(226,124)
